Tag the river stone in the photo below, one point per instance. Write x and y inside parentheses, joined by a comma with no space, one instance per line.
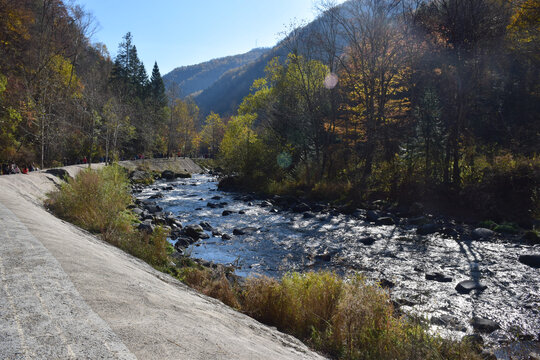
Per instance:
(168,188)
(437,276)
(194,231)
(530,260)
(385,220)
(206,226)
(466,286)
(217,197)
(167,175)
(242,212)
(183,242)
(266,203)
(137,211)
(227,212)
(367,241)
(226,237)
(301,207)
(427,229)
(156,196)
(372,215)
(482,234)
(323,257)
(484,325)
(245,231)
(146,227)
(153,208)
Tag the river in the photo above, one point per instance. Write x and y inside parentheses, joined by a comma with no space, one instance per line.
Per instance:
(399,258)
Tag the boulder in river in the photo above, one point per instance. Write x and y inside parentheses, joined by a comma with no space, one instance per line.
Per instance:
(427,229)
(385,220)
(227,212)
(226,237)
(206,226)
(437,276)
(530,260)
(194,231)
(482,234)
(245,231)
(141,177)
(373,215)
(367,240)
(484,325)
(266,203)
(466,286)
(301,207)
(146,226)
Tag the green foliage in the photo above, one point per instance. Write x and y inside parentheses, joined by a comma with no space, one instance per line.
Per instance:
(97,201)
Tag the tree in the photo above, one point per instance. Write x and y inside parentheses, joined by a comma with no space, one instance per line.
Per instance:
(212,133)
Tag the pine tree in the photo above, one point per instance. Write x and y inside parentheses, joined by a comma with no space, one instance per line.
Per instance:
(157,87)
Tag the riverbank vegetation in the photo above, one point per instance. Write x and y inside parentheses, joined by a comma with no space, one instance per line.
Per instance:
(433,101)
(345,319)
(98,200)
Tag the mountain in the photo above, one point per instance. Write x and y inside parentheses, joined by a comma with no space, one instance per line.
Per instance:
(195,78)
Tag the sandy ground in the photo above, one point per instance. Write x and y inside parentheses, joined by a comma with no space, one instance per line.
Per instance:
(66,294)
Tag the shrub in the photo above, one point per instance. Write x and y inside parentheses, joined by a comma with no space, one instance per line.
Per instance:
(97,202)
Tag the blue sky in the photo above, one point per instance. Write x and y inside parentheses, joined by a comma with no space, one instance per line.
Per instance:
(185,32)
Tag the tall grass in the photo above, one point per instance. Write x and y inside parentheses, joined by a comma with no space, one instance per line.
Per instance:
(97,201)
(344,319)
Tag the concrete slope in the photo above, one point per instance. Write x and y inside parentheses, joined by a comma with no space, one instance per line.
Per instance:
(66,294)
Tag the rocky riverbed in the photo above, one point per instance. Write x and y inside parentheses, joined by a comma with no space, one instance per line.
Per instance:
(464,280)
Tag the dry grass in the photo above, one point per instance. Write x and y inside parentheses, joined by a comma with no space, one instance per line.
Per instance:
(344,319)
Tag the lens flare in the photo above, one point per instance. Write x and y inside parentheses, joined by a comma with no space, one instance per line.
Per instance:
(330,81)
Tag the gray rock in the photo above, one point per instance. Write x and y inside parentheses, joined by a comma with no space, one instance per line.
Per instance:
(206,226)
(427,229)
(194,231)
(266,204)
(245,231)
(482,234)
(137,211)
(372,215)
(385,220)
(226,237)
(466,286)
(301,207)
(227,212)
(168,175)
(437,276)
(146,226)
(530,260)
(367,240)
(484,325)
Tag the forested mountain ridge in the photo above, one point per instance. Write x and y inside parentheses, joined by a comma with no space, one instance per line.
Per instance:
(193,79)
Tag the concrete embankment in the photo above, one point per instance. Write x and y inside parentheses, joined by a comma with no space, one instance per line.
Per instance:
(66,294)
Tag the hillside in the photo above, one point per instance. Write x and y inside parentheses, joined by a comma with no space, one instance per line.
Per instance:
(195,78)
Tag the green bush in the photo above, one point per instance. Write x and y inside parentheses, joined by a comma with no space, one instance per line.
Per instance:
(96,200)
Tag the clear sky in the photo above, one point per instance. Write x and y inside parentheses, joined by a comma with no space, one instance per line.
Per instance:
(185,32)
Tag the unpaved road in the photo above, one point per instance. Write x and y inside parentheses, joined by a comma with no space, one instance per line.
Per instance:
(66,294)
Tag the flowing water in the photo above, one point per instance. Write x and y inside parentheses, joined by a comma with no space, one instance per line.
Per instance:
(286,241)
